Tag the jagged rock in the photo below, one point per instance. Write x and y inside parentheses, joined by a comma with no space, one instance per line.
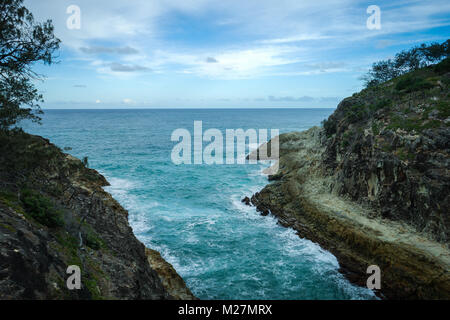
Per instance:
(372,186)
(94,232)
(170,279)
(246,200)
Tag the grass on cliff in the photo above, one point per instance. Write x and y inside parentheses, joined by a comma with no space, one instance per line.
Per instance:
(41,209)
(412,102)
(33,206)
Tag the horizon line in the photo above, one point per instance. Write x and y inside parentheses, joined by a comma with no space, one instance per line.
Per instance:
(190,108)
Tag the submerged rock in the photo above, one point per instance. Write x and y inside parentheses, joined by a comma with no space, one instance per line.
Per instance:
(246,200)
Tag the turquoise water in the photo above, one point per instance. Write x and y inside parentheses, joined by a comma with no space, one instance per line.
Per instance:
(192,214)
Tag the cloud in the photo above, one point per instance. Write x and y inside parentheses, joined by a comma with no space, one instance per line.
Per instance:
(211,60)
(128,101)
(119,67)
(303,99)
(112,50)
(304,37)
(80,86)
(326,67)
(291,99)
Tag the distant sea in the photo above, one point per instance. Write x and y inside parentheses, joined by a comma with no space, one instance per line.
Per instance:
(193,214)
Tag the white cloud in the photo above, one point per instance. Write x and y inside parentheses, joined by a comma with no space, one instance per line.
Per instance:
(128,101)
(276,33)
(303,37)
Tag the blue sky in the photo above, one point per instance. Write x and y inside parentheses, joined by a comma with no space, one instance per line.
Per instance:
(247,53)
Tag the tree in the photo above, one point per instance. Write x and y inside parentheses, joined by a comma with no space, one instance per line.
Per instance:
(381,71)
(407,61)
(435,52)
(23,42)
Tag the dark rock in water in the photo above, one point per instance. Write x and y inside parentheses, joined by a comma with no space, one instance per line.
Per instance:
(246,200)
(55,213)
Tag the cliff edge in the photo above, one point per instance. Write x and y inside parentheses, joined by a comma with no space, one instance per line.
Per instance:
(372,185)
(55,213)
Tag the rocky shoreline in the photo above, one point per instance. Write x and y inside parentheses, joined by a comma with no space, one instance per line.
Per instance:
(55,213)
(371,185)
(412,266)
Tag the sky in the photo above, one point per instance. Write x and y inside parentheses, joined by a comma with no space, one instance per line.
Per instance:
(224,54)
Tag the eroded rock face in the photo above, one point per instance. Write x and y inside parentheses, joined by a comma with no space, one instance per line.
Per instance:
(170,279)
(372,186)
(403,175)
(94,233)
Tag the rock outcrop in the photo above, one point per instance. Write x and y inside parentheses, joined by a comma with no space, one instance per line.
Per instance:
(55,213)
(372,186)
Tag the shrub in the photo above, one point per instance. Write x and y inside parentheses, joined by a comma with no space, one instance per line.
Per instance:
(443,66)
(411,84)
(356,113)
(443,108)
(409,60)
(41,209)
(383,103)
(346,139)
(329,126)
(375,129)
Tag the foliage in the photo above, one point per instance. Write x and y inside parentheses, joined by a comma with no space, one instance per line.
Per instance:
(407,61)
(443,66)
(41,209)
(380,104)
(23,42)
(329,126)
(375,129)
(443,108)
(412,83)
(412,124)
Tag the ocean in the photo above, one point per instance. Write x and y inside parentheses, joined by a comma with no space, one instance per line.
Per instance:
(193,214)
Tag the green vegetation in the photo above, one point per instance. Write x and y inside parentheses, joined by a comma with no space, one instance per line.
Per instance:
(381,104)
(356,113)
(92,240)
(413,83)
(41,209)
(407,61)
(23,42)
(7,227)
(404,155)
(92,287)
(346,139)
(412,124)
(11,200)
(375,129)
(330,126)
(443,108)
(442,67)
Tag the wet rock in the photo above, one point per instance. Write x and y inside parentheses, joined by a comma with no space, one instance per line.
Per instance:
(246,200)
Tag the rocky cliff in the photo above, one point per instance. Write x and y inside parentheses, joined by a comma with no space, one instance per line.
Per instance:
(55,213)
(372,185)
